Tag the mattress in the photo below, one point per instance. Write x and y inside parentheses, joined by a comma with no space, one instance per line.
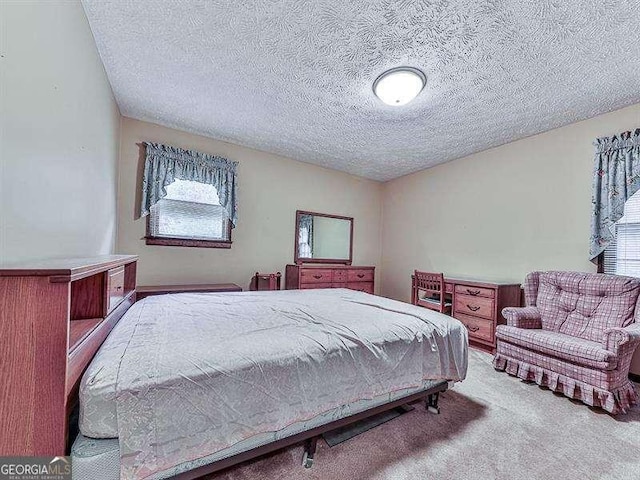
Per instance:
(184,376)
(99,459)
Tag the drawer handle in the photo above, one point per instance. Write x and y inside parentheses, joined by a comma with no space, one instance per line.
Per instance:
(360,275)
(473,292)
(472,328)
(473,308)
(317,277)
(119,287)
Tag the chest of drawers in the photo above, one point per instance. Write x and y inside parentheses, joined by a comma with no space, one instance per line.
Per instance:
(327,276)
(478,305)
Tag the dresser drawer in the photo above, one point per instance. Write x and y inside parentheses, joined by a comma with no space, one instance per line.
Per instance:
(340,276)
(475,291)
(315,275)
(115,287)
(474,306)
(478,327)
(366,287)
(360,275)
(307,286)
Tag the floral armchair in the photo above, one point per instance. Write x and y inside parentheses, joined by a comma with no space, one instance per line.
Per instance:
(576,336)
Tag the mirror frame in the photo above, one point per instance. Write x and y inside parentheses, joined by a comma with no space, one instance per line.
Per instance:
(299,260)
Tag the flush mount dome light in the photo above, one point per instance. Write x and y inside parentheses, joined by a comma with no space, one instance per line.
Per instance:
(399,86)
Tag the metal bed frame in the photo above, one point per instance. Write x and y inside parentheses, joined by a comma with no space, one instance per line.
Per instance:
(310,437)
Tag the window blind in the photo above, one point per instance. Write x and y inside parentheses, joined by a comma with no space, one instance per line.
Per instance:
(179,219)
(191,210)
(622,256)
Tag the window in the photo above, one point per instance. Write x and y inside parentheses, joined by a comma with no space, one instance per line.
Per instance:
(622,255)
(190,215)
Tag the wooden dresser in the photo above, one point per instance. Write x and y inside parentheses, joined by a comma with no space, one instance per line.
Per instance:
(330,276)
(478,304)
(54,315)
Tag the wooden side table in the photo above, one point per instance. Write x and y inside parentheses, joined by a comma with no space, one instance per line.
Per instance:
(148,290)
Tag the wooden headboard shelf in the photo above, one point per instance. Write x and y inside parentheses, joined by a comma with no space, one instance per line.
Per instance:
(54,316)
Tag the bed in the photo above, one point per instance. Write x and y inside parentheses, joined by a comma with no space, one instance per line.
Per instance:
(190,380)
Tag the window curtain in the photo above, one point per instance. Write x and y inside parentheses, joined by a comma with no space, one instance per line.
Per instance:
(616,177)
(163,164)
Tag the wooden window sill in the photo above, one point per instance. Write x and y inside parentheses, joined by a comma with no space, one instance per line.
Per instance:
(185,242)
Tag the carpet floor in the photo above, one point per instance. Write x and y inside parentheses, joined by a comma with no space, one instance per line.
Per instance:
(492,426)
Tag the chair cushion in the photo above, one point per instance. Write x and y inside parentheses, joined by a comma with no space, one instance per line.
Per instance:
(574,349)
(586,304)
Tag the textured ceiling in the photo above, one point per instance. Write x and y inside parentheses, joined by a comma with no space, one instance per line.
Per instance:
(295,77)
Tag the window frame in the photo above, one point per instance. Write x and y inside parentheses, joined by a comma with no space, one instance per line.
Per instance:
(600,263)
(186,242)
(600,259)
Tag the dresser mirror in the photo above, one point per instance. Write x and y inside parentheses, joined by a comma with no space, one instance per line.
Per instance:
(323,238)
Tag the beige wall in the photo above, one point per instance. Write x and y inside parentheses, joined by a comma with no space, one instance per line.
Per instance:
(271,189)
(59,135)
(498,214)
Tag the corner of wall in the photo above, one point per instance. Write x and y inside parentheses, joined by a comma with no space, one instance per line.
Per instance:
(116,245)
(381,288)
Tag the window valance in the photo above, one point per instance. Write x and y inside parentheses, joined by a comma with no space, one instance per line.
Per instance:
(163,164)
(616,176)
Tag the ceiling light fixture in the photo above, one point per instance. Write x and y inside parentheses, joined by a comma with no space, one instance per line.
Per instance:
(399,86)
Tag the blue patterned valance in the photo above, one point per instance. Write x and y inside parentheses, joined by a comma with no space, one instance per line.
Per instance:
(616,177)
(163,164)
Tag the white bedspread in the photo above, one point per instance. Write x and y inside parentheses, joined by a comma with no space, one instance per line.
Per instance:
(183,376)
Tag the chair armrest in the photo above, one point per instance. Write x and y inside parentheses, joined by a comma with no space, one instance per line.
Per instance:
(615,338)
(527,317)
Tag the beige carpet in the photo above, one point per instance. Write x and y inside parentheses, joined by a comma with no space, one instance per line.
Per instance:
(492,426)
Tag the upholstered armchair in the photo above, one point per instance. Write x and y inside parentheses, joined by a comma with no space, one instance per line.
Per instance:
(576,336)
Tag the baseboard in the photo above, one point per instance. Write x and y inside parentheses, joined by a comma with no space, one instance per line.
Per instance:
(634,377)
